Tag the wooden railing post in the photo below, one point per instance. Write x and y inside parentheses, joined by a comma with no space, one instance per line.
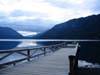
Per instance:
(28,55)
(14,64)
(72,64)
(44,49)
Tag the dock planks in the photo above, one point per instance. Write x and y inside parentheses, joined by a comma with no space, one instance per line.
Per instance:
(55,63)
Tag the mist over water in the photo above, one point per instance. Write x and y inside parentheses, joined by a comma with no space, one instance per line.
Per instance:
(27,33)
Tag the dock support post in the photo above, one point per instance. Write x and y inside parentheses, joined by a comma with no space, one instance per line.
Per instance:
(72,64)
(28,53)
(44,49)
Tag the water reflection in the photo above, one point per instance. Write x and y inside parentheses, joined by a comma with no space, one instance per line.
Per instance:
(5,45)
(8,44)
(27,44)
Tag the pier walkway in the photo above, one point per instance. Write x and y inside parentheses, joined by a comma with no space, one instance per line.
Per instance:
(55,63)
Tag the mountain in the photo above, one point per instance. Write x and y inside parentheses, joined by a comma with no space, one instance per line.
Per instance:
(81,28)
(8,33)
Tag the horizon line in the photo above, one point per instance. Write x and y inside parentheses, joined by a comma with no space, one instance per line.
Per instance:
(48,40)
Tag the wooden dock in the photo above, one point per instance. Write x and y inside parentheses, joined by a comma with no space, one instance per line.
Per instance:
(55,63)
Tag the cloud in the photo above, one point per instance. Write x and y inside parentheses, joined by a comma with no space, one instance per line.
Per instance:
(54,10)
(96,6)
(22,18)
(41,7)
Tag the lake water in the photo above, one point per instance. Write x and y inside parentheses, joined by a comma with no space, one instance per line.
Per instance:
(5,45)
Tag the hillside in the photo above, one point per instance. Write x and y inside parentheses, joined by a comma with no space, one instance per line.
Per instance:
(8,33)
(81,28)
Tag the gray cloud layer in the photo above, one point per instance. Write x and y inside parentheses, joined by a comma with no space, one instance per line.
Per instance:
(53,10)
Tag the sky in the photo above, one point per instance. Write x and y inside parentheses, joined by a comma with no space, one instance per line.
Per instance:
(55,11)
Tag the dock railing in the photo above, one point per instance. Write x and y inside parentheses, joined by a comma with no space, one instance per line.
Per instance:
(27,53)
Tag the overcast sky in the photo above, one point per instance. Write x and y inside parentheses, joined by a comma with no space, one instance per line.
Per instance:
(53,10)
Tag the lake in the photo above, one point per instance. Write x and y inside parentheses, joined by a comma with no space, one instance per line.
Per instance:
(6,45)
